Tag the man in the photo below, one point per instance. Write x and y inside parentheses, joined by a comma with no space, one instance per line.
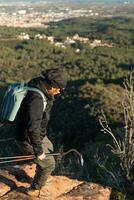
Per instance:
(32,129)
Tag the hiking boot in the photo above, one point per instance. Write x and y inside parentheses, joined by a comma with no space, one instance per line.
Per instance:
(33,193)
(38,193)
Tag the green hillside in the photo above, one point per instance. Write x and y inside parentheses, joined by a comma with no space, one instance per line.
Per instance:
(95,80)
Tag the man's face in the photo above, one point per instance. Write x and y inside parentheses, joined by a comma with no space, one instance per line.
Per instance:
(54,91)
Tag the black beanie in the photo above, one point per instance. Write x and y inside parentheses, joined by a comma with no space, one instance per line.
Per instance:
(55,77)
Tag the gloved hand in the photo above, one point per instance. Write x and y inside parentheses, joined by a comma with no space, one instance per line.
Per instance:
(41,157)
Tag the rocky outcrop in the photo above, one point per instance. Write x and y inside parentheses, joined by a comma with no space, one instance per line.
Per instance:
(14,180)
(4,189)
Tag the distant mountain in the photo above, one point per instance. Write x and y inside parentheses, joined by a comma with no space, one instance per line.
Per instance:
(74,1)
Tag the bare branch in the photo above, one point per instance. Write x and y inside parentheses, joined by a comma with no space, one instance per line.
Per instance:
(124,148)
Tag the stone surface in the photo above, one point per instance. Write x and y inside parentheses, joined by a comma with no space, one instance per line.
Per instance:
(14,180)
(4,189)
(88,191)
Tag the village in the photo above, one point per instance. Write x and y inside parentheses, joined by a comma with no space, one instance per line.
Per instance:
(68,41)
(40,14)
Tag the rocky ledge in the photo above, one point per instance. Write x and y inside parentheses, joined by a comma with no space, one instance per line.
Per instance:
(14,180)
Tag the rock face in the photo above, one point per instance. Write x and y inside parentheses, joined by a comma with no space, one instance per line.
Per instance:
(14,180)
(88,191)
(4,189)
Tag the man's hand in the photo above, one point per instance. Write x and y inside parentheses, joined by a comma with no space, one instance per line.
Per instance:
(41,157)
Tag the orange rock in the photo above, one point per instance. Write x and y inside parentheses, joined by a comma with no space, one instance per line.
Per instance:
(4,189)
(29,169)
(60,187)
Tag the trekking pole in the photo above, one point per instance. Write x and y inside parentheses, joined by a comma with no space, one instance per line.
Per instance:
(22,158)
(75,151)
(28,156)
(16,157)
(31,157)
(16,160)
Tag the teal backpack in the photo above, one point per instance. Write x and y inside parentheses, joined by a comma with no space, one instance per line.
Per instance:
(13,98)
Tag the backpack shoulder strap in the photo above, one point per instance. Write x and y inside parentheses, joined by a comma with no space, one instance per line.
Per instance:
(40,92)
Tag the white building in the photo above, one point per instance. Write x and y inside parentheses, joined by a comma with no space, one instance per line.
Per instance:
(39,36)
(23,36)
(60,44)
(80,39)
(69,41)
(50,39)
(21,12)
(77,51)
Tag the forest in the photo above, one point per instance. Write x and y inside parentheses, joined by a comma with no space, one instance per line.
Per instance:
(95,83)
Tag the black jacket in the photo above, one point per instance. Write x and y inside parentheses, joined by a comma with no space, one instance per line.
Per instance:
(33,120)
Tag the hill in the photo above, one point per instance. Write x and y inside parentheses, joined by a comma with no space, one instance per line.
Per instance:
(95,82)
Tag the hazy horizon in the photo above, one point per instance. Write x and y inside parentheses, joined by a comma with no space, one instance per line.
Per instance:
(80,1)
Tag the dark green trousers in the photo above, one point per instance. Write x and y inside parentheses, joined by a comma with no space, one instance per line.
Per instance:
(44,167)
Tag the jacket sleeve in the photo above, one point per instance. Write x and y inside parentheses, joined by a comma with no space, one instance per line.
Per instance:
(35,114)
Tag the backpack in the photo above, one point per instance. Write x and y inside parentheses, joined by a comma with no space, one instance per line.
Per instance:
(13,98)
